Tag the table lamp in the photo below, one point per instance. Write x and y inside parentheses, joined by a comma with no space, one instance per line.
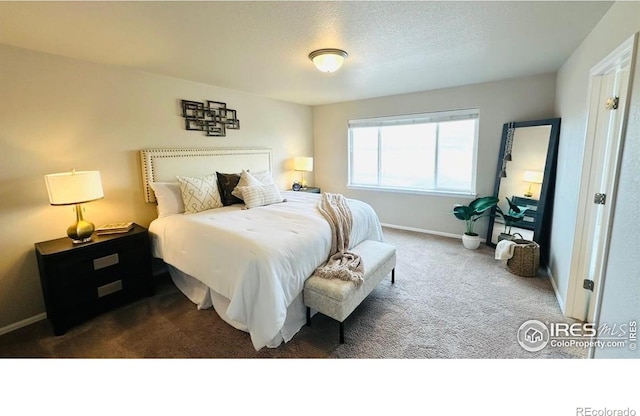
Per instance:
(531,177)
(75,188)
(303,164)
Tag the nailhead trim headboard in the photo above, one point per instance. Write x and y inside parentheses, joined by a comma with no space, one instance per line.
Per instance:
(163,165)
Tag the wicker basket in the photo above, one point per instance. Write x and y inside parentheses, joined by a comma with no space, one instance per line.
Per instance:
(526,258)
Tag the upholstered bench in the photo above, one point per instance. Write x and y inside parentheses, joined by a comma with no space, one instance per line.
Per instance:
(338,298)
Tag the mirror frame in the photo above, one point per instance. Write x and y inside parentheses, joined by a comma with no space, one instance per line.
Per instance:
(541,232)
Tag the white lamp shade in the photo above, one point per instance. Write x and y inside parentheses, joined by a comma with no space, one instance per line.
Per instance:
(74,187)
(532,176)
(304,164)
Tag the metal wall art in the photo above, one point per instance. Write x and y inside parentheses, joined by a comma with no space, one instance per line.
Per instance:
(212,117)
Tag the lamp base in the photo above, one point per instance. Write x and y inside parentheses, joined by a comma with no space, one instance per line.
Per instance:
(529,193)
(86,240)
(81,230)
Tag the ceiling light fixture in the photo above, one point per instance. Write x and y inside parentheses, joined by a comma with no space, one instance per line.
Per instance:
(328,60)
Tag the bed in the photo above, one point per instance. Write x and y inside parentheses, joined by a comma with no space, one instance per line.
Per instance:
(248,264)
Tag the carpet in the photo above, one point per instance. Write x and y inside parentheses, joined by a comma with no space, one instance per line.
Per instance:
(447,303)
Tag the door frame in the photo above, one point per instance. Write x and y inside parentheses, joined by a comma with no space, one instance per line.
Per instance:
(617,58)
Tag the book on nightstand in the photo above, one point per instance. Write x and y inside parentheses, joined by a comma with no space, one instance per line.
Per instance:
(114,228)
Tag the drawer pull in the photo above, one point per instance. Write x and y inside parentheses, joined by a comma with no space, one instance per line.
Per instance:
(110,288)
(106,261)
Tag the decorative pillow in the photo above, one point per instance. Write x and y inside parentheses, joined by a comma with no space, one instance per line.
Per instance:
(227,182)
(258,196)
(169,198)
(199,193)
(263,176)
(246,179)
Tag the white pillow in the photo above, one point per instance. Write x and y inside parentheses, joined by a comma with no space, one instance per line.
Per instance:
(199,193)
(263,176)
(258,196)
(169,198)
(246,179)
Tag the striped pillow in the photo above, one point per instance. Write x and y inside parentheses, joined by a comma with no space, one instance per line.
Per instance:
(199,193)
(258,196)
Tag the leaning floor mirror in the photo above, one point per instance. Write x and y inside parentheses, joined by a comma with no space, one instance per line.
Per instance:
(525,178)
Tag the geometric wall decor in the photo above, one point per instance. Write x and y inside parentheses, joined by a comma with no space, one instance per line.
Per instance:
(212,117)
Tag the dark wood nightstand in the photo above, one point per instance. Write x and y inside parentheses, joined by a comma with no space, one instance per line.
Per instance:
(311,189)
(80,281)
(530,218)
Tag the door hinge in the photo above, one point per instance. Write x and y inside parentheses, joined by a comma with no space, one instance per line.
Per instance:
(588,284)
(600,199)
(612,103)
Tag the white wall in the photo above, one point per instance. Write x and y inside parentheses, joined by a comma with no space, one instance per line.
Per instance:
(622,282)
(57,114)
(521,99)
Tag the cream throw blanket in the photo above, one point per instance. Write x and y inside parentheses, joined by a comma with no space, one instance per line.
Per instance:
(342,263)
(504,249)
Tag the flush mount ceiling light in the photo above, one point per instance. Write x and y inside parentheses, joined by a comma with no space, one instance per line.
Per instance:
(328,60)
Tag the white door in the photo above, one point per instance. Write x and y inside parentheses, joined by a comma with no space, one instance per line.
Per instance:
(603,150)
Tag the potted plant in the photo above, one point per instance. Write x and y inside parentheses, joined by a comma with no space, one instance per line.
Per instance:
(514,214)
(470,214)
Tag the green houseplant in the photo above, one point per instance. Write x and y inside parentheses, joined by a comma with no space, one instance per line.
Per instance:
(470,214)
(514,214)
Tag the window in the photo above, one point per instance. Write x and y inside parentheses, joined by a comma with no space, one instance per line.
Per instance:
(433,152)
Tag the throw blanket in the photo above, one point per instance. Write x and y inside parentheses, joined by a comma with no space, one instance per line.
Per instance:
(342,264)
(504,249)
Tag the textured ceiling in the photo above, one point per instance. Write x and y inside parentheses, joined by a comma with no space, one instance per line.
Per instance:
(262,47)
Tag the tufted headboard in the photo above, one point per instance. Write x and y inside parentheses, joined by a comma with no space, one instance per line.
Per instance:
(163,165)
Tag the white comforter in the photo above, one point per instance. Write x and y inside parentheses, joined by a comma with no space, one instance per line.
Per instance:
(258,258)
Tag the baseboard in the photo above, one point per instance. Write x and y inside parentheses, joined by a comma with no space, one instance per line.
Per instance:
(23,323)
(555,289)
(420,230)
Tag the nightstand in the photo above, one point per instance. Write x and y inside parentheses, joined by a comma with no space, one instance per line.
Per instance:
(80,281)
(311,189)
(527,222)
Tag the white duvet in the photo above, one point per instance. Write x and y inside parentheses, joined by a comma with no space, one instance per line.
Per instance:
(257,258)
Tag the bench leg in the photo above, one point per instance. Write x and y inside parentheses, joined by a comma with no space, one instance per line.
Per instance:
(393,275)
(341,332)
(308,316)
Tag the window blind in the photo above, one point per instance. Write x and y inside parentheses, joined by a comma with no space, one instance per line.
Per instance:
(415,118)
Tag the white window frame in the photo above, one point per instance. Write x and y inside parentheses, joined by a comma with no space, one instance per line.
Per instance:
(433,117)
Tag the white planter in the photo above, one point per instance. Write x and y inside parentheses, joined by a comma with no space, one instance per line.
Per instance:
(471,242)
